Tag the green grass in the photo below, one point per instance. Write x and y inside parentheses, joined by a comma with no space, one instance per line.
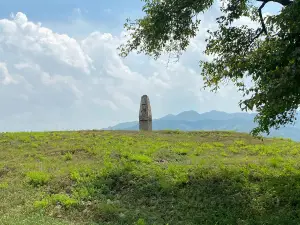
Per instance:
(167,177)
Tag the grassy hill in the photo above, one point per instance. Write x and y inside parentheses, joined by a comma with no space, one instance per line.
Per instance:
(166,177)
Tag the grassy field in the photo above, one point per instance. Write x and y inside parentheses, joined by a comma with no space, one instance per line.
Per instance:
(111,177)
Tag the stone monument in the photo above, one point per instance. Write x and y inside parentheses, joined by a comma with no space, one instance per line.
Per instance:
(145,116)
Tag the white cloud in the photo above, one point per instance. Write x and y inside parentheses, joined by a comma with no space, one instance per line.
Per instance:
(6,78)
(52,81)
(77,11)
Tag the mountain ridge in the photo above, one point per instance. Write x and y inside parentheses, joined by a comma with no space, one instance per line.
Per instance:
(212,120)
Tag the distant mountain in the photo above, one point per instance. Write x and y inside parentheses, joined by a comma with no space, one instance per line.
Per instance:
(212,115)
(122,126)
(213,120)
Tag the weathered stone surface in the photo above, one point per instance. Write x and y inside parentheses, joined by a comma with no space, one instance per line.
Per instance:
(145,125)
(145,109)
(145,115)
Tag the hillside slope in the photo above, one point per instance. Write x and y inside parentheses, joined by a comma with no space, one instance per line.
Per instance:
(167,177)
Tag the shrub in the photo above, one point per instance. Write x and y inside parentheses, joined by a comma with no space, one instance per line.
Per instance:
(61,199)
(64,200)
(38,178)
(68,156)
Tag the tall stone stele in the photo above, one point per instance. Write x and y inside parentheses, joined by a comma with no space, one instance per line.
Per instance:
(145,116)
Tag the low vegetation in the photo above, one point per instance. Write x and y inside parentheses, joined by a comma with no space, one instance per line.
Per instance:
(166,177)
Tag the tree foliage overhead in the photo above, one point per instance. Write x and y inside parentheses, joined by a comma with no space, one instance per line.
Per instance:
(269,55)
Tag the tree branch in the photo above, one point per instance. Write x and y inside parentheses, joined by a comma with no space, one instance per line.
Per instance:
(264,29)
(282,2)
(257,36)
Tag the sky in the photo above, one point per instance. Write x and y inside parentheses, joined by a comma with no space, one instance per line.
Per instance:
(60,69)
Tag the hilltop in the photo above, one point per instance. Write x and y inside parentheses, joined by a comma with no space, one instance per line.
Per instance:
(166,177)
(213,120)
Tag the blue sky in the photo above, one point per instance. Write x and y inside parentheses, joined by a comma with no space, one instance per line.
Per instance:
(94,10)
(105,14)
(59,68)
(109,14)
(61,9)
